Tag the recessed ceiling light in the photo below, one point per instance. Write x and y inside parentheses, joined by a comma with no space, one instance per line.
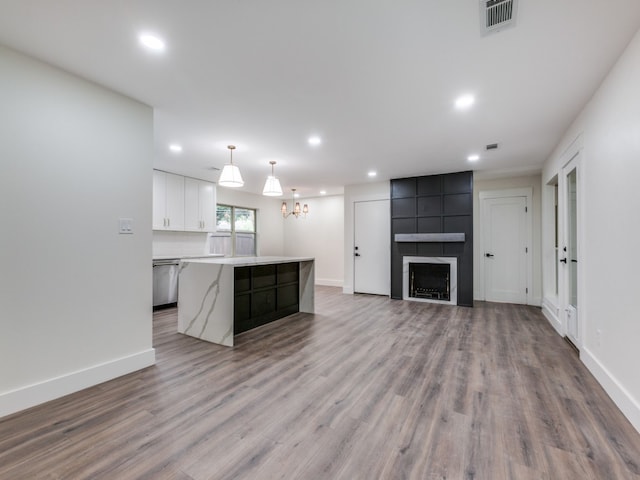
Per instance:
(372,173)
(315,141)
(464,101)
(152,42)
(323,192)
(473,158)
(174,147)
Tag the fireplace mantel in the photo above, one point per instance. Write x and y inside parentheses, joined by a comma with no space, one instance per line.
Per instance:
(429,237)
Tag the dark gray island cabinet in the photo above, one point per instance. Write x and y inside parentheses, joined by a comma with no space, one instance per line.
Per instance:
(221,297)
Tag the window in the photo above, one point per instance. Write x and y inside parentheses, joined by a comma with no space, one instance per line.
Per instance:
(236,232)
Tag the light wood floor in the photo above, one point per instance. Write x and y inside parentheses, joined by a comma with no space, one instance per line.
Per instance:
(367,388)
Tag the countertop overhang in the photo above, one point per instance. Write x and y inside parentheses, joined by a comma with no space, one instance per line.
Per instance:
(183,257)
(247,261)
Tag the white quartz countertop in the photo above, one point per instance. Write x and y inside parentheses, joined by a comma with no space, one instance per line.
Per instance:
(182,257)
(247,261)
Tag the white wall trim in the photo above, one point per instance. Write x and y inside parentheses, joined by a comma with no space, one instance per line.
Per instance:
(620,395)
(31,395)
(370,198)
(552,313)
(526,192)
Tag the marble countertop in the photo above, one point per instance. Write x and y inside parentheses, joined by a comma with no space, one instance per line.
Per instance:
(247,261)
(184,257)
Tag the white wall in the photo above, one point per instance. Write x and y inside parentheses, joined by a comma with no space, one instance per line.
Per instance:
(269,227)
(481,185)
(269,224)
(75,295)
(321,235)
(179,243)
(352,194)
(609,257)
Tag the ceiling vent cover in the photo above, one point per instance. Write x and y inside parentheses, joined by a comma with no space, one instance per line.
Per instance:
(495,15)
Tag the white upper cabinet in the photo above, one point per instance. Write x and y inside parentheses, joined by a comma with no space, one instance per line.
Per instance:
(183,203)
(200,205)
(168,201)
(159,201)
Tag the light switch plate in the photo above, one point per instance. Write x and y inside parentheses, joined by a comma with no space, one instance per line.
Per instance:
(125,226)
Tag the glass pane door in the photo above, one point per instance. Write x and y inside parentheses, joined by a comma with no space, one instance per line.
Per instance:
(569,260)
(572,242)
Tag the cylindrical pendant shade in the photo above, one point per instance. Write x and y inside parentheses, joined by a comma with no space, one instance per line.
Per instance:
(272,187)
(230,177)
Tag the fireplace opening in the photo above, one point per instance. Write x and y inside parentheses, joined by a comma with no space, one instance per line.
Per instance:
(430,281)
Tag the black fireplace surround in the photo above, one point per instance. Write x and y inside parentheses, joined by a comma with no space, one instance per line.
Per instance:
(434,204)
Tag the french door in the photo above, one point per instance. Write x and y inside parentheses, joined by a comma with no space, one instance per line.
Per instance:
(569,250)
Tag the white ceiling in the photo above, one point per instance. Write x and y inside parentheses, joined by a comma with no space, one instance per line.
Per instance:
(375,79)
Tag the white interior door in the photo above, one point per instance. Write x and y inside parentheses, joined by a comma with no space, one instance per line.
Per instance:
(372,248)
(504,222)
(569,251)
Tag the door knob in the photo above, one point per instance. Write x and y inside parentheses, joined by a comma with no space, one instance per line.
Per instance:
(357,254)
(563,260)
(488,255)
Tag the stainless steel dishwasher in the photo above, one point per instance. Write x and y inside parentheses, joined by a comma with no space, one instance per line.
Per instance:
(165,282)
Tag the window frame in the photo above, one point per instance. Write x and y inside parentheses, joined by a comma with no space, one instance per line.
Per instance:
(233,233)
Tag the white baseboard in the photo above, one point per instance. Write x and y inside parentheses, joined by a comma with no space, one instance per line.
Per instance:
(347,289)
(37,393)
(536,302)
(328,282)
(620,396)
(551,314)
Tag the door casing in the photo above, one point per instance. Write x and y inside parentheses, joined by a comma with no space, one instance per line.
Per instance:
(526,192)
(571,318)
(372,266)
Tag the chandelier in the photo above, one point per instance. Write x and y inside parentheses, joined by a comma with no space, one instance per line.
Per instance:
(297,211)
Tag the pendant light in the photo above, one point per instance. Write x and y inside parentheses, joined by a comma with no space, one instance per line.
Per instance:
(272,186)
(230,176)
(296,212)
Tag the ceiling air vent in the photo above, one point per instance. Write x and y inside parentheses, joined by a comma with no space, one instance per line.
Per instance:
(496,15)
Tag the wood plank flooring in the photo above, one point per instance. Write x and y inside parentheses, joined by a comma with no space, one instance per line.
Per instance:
(367,388)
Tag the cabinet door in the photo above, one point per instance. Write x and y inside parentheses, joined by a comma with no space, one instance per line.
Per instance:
(207,206)
(199,205)
(192,219)
(175,201)
(159,201)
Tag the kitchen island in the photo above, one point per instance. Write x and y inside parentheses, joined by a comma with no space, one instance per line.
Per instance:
(221,297)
